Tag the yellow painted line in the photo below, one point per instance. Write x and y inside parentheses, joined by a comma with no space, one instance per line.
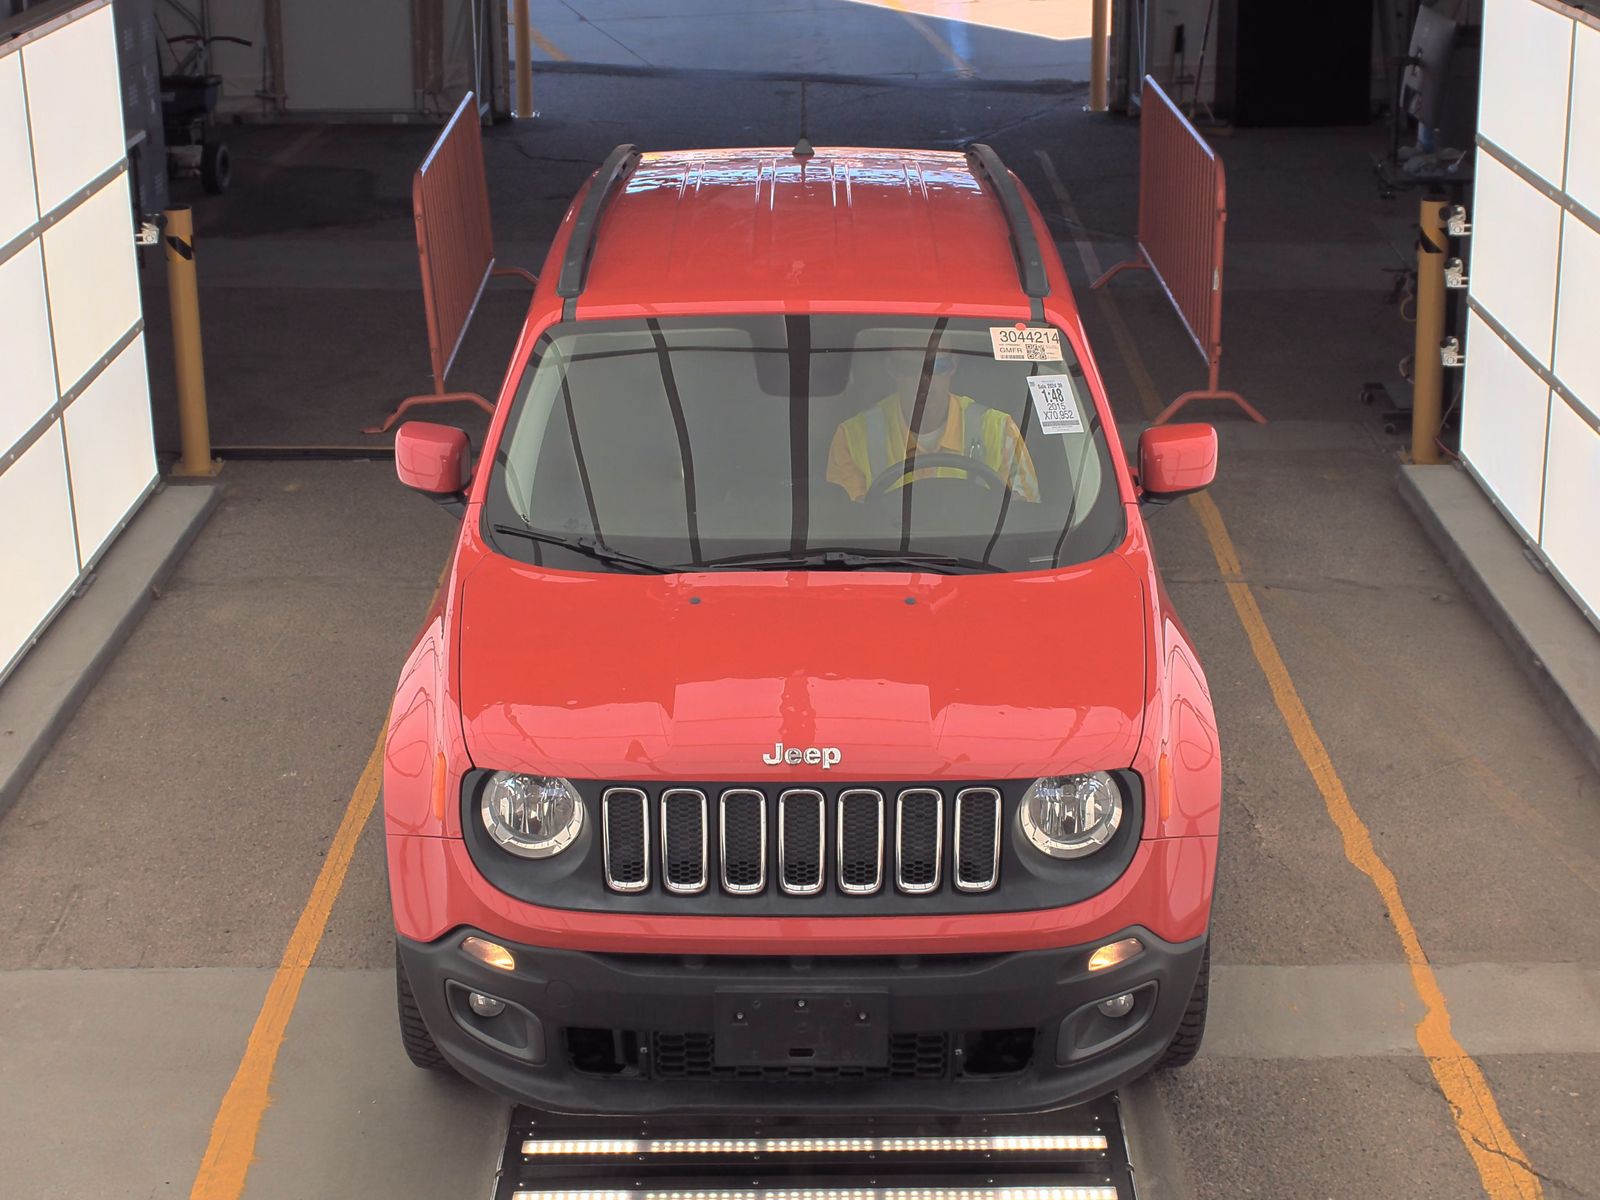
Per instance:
(1502,1166)
(546,44)
(232,1146)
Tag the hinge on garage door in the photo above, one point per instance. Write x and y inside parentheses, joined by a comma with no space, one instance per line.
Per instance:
(1456,223)
(148,233)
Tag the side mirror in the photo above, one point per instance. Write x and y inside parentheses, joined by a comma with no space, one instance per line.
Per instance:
(435,460)
(1175,460)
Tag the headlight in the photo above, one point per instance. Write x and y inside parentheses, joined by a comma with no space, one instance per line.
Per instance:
(1069,816)
(530,815)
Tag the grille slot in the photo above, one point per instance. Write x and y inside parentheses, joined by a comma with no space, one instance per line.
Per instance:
(625,819)
(860,837)
(743,841)
(918,839)
(683,840)
(802,825)
(977,850)
(693,1056)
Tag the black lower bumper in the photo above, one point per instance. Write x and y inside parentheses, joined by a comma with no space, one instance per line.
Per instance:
(614,1033)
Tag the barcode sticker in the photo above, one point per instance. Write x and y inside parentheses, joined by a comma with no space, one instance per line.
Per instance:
(1026,343)
(1055,403)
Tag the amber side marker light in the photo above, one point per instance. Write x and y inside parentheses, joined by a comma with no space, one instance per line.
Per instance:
(491,953)
(1113,953)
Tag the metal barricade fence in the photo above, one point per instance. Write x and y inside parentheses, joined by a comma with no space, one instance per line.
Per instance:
(1183,208)
(455,247)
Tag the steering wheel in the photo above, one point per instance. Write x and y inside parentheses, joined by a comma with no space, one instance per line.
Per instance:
(891,474)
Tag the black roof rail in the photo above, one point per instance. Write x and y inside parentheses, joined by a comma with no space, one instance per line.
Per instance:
(580,248)
(1030,262)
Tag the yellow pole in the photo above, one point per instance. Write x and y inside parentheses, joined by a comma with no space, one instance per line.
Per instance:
(1099,54)
(1427,372)
(524,36)
(194,429)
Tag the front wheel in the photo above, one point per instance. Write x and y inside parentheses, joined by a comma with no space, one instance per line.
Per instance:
(420,1046)
(1185,1042)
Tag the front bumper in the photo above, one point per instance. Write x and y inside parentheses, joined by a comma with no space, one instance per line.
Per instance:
(1007,1032)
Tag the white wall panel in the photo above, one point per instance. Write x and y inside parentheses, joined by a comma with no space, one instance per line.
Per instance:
(1516,236)
(1572,503)
(1503,423)
(18,209)
(35,536)
(1583,140)
(110,447)
(74,105)
(1577,362)
(93,279)
(28,374)
(1522,99)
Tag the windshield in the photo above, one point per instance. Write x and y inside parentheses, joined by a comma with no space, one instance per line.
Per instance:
(803,441)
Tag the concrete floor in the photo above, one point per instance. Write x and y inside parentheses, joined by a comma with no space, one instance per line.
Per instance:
(152,871)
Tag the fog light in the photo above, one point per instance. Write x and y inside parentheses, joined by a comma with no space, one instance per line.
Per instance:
(1117,1006)
(491,953)
(1113,953)
(488,1006)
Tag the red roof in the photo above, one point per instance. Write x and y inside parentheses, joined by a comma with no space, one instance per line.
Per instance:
(849,229)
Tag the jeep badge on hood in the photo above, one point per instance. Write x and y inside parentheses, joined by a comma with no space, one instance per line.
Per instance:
(794,756)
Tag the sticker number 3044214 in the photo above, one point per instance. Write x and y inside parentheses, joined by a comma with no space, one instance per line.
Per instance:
(1055,403)
(1026,343)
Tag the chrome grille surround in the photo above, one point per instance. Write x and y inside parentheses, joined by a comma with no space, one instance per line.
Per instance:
(801,881)
(967,801)
(849,857)
(611,802)
(908,868)
(728,884)
(690,804)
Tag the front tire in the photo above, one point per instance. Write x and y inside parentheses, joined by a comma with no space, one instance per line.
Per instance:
(1185,1042)
(421,1049)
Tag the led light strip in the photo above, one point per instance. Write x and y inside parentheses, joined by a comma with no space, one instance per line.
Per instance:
(1019,1143)
(1046,1192)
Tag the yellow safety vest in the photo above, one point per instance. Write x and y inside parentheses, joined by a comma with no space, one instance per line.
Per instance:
(878,439)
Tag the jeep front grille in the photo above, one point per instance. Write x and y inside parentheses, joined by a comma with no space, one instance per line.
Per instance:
(860,841)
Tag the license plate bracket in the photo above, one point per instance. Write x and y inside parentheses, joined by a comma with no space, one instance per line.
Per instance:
(801,1028)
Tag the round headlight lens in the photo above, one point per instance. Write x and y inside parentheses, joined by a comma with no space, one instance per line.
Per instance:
(1069,816)
(530,815)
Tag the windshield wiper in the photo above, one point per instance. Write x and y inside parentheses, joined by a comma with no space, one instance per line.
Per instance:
(589,547)
(844,558)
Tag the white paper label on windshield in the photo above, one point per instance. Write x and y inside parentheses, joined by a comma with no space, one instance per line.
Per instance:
(1026,343)
(1055,403)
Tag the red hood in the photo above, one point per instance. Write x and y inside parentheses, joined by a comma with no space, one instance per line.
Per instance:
(698,676)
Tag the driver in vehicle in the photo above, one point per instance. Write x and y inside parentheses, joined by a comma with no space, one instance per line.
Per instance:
(880,439)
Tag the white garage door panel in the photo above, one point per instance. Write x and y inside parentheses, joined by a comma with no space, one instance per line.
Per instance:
(1578,317)
(1503,423)
(110,448)
(1583,142)
(1522,99)
(1571,537)
(35,539)
(93,279)
(74,106)
(1515,238)
(28,377)
(17,208)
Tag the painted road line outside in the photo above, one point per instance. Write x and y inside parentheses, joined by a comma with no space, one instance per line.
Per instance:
(226,1163)
(963,68)
(546,45)
(1503,1168)
(231,1148)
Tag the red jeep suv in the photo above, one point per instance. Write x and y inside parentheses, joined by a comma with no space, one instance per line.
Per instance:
(802,722)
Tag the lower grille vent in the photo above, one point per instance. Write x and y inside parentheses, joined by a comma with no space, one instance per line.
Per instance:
(693,1056)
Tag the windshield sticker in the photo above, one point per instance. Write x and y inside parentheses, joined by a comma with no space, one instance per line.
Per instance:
(1056,404)
(1024,343)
